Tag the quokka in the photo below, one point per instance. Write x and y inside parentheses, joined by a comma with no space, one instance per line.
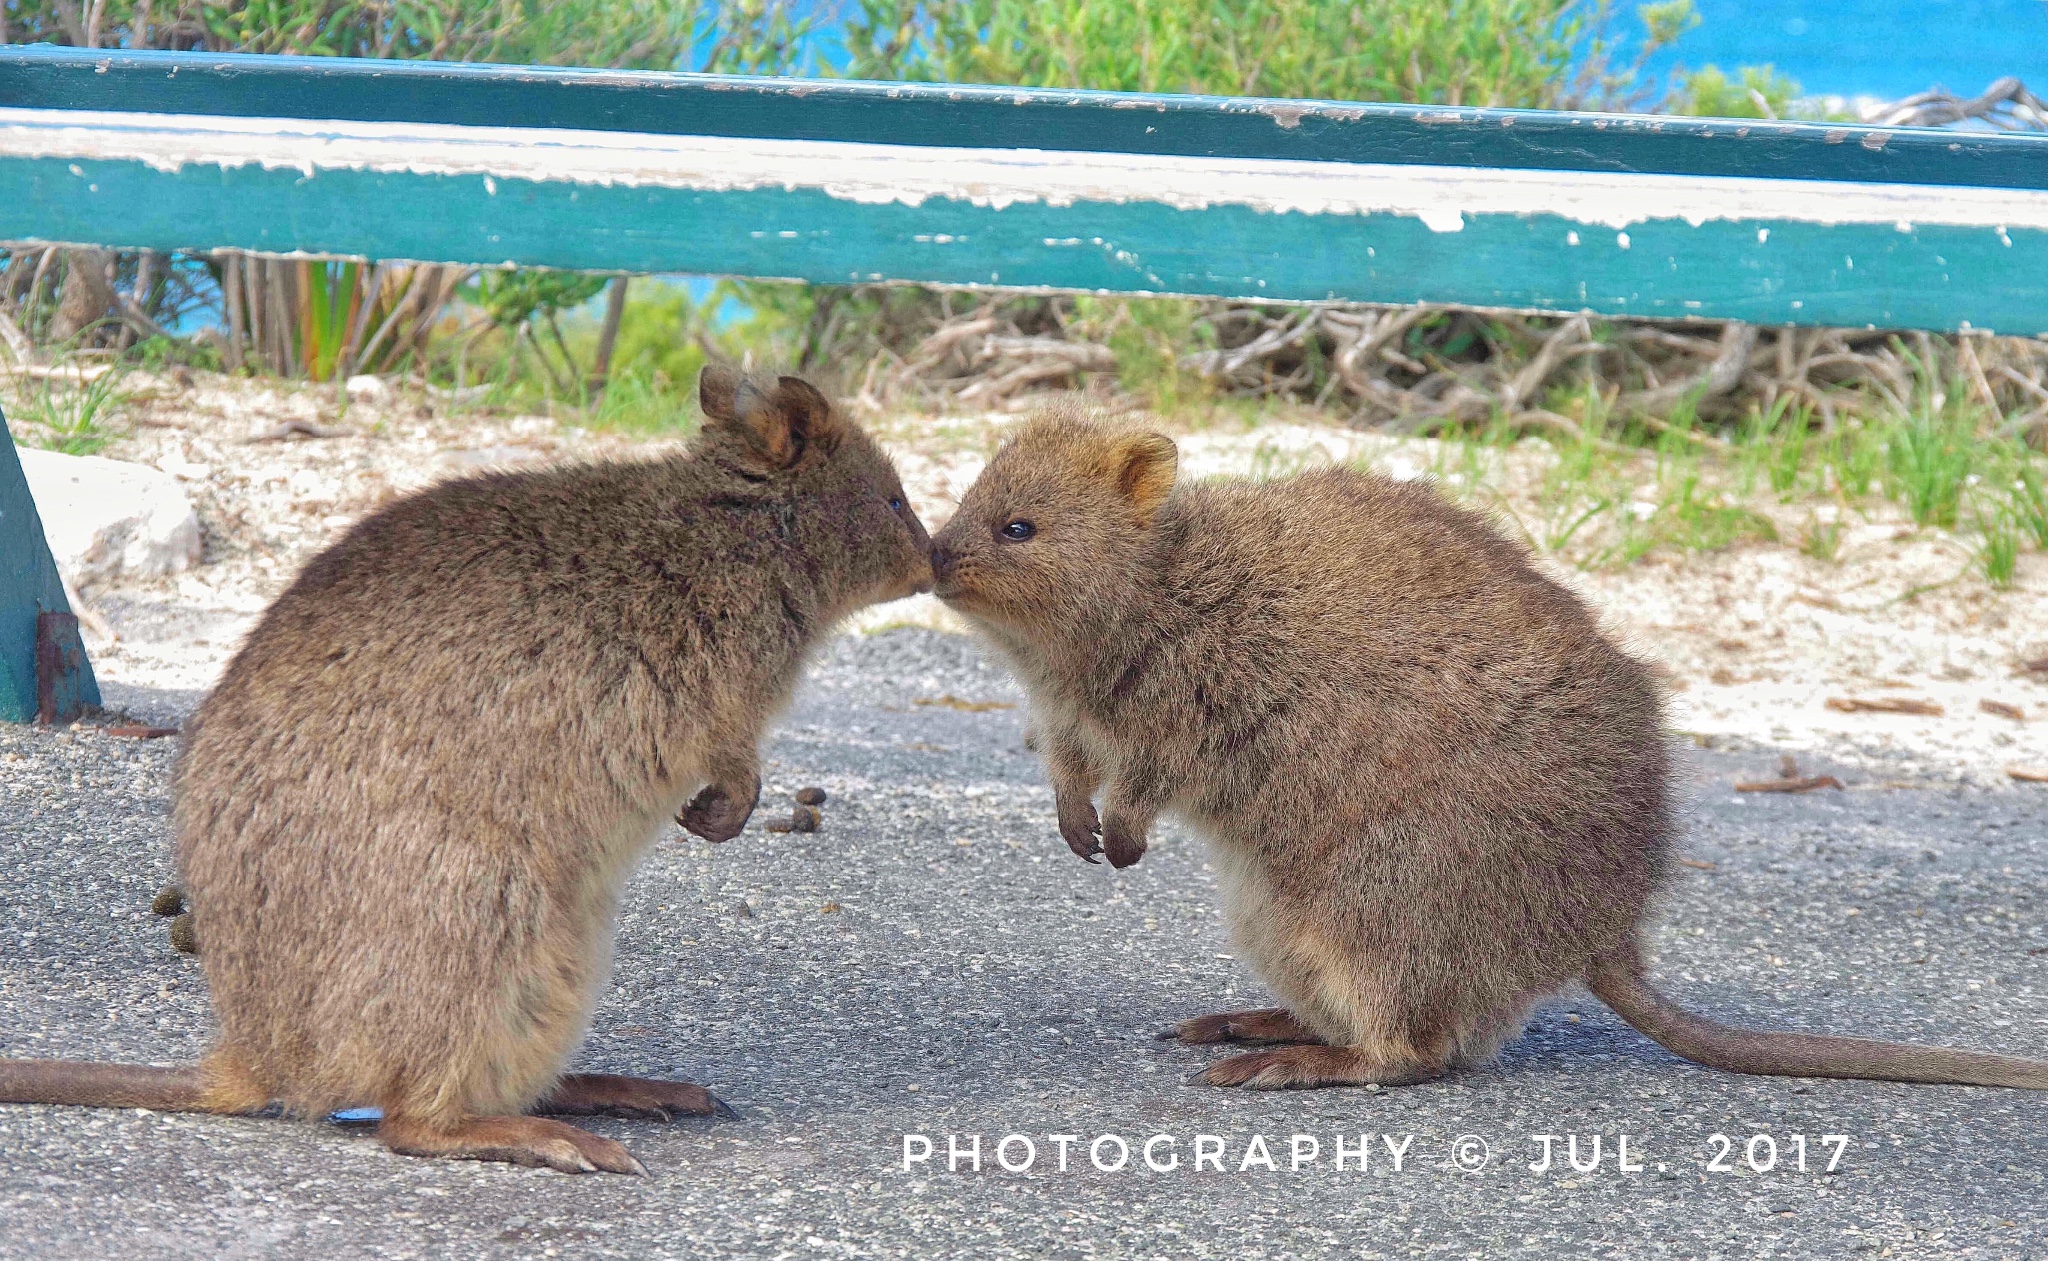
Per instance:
(1435,792)
(405,815)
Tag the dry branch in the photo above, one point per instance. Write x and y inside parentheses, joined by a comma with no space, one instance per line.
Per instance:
(1721,376)
(2006,105)
(1802,784)
(1884,705)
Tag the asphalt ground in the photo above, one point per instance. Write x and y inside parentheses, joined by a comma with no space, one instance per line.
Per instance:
(933,964)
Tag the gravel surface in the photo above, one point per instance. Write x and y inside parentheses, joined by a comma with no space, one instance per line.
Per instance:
(933,962)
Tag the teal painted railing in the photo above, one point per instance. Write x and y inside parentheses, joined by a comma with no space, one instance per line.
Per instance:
(969,116)
(1774,223)
(29,588)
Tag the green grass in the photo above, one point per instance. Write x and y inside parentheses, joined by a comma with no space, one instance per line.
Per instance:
(644,401)
(1696,516)
(2027,498)
(1776,474)
(1930,458)
(1998,548)
(1773,444)
(69,417)
(1820,539)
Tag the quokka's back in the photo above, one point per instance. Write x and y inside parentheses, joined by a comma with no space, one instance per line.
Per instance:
(1411,658)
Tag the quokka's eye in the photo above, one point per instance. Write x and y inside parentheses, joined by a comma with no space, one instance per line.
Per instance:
(1019,530)
(896,503)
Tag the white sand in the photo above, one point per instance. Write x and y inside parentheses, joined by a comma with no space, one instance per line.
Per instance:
(1754,639)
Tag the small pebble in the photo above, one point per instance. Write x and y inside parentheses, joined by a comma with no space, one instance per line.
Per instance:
(805,819)
(169,901)
(813,796)
(743,910)
(182,938)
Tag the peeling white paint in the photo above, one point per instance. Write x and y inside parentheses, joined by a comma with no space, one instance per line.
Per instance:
(1443,198)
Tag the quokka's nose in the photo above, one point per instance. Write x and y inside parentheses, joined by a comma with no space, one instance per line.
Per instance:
(942,561)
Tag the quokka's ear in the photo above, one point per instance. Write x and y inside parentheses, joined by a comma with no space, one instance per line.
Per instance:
(716,386)
(1142,464)
(808,414)
(777,425)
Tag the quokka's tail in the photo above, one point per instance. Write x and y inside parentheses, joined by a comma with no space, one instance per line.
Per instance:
(92,1085)
(1617,980)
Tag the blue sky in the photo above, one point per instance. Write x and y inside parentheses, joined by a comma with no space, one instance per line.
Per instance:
(1857,47)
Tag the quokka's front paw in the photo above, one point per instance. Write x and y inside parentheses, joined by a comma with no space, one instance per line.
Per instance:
(1078,827)
(719,813)
(1122,843)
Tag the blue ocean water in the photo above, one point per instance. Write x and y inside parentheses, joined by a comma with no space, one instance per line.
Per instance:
(1872,47)
(1831,47)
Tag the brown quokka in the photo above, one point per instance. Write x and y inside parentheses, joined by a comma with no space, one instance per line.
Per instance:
(406,813)
(1434,791)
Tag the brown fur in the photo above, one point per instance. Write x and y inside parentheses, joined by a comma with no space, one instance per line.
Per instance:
(1435,793)
(405,814)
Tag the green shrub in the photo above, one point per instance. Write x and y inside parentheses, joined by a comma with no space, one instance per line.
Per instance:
(1451,52)
(1754,92)
(745,36)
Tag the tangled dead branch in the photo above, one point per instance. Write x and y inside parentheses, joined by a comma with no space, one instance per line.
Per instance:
(991,356)
(2006,105)
(1419,369)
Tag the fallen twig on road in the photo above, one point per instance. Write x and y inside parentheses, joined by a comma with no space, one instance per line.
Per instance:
(1884,705)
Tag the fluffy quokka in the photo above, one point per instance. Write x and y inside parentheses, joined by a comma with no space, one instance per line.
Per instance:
(1434,792)
(405,815)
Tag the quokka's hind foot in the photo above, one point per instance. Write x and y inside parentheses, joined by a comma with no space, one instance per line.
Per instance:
(639,1098)
(1257,1026)
(1307,1067)
(534,1141)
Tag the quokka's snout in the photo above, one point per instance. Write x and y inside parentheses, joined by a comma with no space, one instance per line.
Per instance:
(942,559)
(918,570)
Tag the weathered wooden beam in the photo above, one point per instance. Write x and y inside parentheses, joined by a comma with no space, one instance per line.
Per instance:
(29,588)
(1620,242)
(969,116)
